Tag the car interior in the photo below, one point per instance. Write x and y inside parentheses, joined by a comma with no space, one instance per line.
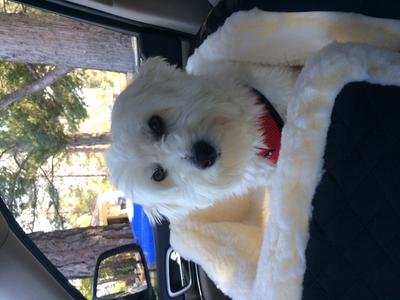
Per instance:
(164,29)
(173,29)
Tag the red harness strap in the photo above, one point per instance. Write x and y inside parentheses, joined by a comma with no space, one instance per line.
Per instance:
(272,125)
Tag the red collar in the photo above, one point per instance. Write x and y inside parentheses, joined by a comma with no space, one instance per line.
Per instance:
(272,125)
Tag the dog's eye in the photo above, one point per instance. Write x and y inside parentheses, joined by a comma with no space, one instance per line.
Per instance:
(159,174)
(156,125)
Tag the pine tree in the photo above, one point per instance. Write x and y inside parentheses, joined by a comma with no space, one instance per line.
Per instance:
(36,129)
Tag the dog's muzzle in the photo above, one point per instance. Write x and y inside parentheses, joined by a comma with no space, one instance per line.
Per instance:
(204,155)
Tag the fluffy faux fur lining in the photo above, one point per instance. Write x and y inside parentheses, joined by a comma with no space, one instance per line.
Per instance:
(252,247)
(273,38)
(228,239)
(282,262)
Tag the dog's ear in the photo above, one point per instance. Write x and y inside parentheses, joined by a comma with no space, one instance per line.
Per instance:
(157,69)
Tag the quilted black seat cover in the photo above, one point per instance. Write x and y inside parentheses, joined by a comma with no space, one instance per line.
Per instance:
(354,246)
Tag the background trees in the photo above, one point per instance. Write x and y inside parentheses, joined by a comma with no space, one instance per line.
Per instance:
(54,121)
(33,131)
(42,106)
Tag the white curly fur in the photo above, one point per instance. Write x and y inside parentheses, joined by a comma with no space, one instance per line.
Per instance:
(220,109)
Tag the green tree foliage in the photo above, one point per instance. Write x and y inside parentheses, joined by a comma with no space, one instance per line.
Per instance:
(79,195)
(33,131)
(84,285)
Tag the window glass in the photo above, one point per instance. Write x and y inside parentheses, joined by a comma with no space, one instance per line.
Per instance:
(53,176)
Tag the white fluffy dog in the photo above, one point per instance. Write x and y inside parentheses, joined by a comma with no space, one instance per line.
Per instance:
(181,142)
(187,145)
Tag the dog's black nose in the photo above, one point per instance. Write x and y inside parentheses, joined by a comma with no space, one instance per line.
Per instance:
(204,155)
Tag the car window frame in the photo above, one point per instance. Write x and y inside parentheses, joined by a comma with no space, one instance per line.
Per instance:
(100,18)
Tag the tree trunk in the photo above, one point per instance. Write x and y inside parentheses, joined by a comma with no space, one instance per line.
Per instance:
(81,142)
(79,175)
(36,86)
(54,40)
(75,251)
(91,149)
(89,139)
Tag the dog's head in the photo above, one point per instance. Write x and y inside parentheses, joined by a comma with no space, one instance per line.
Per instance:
(179,141)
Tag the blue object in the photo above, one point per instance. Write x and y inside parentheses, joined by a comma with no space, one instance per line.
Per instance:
(143,233)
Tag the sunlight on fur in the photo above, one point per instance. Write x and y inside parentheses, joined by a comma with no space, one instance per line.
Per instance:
(219,110)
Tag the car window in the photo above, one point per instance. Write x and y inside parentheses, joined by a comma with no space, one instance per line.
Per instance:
(57,87)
